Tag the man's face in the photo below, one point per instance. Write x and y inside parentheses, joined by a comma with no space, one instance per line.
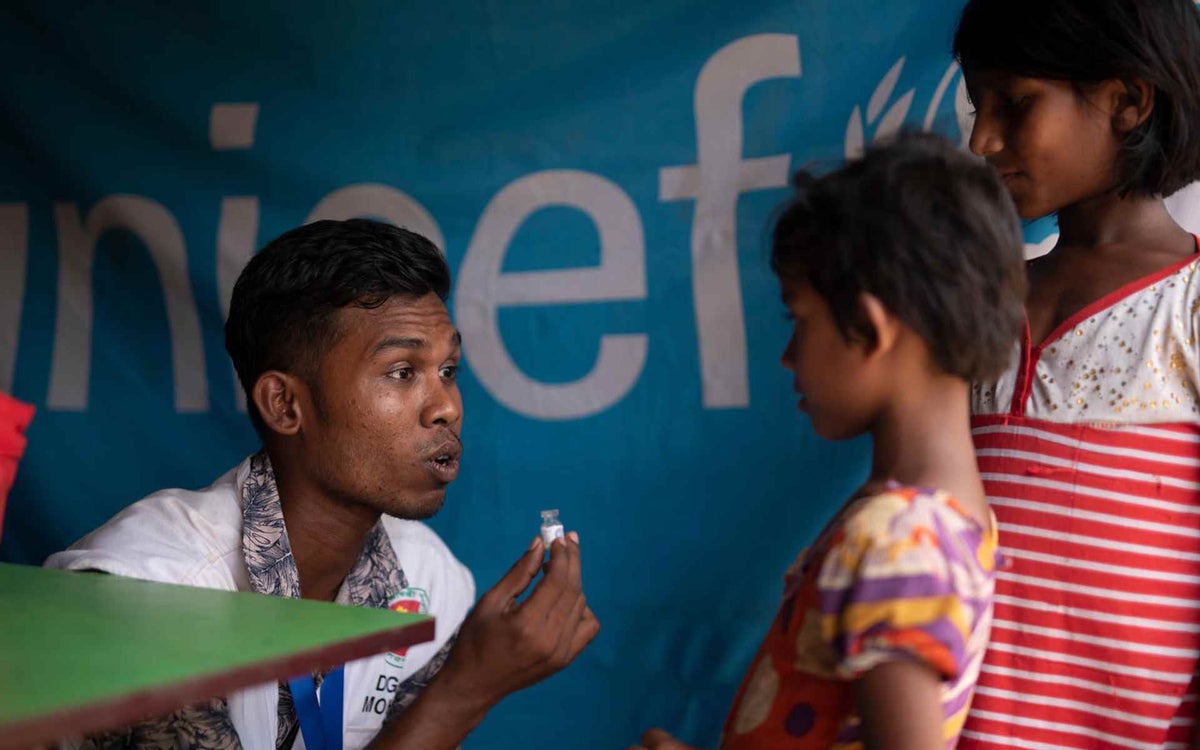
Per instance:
(385,433)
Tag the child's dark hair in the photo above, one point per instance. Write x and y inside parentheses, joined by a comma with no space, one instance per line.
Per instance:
(928,230)
(1090,41)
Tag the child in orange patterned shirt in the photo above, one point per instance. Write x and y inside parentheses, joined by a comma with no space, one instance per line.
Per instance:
(903,274)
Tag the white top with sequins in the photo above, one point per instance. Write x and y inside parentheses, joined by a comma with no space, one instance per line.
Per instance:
(1127,358)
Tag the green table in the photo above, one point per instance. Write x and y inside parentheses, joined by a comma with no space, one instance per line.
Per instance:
(82,652)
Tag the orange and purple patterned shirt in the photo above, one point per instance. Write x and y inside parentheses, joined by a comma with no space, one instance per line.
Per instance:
(903,574)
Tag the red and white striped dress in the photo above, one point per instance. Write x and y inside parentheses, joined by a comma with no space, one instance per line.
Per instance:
(1089,447)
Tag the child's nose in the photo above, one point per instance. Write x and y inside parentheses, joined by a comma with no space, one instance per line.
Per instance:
(787,359)
(985,138)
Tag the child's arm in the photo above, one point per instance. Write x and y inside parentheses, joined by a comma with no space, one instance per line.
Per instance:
(657,739)
(899,703)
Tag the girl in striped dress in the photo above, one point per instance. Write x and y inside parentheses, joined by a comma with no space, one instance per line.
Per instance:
(1089,443)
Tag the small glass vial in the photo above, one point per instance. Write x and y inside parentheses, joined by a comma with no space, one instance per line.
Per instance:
(552,528)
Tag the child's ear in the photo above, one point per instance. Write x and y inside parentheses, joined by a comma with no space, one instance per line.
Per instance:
(277,395)
(885,325)
(1131,103)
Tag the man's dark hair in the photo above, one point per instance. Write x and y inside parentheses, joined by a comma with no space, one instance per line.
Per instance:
(1087,42)
(282,316)
(927,229)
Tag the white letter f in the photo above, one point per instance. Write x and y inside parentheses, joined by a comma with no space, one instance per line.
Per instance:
(715,182)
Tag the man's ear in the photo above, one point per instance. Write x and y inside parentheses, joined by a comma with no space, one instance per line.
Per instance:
(881,320)
(279,399)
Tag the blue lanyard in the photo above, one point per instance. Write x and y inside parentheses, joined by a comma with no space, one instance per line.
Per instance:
(320,720)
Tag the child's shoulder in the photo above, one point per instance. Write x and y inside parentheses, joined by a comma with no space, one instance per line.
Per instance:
(1177,285)
(898,523)
(896,511)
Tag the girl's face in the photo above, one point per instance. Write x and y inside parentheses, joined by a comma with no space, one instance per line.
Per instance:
(1053,146)
(829,373)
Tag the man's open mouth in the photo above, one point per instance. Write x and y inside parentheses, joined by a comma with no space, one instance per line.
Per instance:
(443,461)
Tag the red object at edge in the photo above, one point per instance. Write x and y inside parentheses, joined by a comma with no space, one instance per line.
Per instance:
(14,418)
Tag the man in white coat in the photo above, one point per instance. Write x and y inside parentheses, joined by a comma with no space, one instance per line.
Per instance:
(341,339)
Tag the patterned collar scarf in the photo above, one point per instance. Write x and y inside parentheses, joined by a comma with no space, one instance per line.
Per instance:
(373,582)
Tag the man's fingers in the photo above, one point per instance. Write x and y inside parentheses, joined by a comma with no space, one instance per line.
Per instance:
(518,577)
(566,610)
(566,614)
(567,626)
(588,629)
(556,580)
(575,572)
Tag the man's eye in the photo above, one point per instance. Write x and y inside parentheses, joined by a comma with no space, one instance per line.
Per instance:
(401,373)
(449,372)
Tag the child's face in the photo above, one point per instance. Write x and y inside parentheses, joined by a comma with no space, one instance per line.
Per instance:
(828,371)
(1053,147)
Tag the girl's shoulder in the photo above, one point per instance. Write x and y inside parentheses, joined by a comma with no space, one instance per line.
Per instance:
(909,529)
(896,510)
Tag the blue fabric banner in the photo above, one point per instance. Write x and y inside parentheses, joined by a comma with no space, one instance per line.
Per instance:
(601,178)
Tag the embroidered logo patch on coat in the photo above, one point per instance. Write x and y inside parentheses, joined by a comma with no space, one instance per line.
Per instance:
(410,600)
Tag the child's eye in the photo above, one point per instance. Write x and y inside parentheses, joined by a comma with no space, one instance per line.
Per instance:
(1016,103)
(449,372)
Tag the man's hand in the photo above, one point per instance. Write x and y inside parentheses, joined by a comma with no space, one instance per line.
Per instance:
(657,739)
(502,646)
